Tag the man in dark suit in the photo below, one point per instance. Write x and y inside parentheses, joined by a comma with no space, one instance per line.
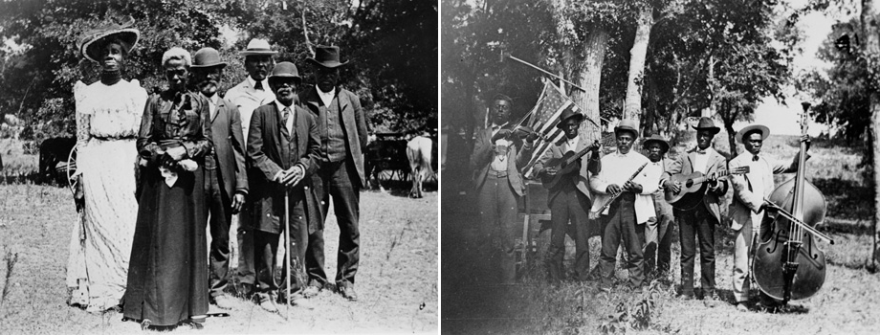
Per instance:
(496,162)
(226,182)
(343,128)
(283,149)
(570,198)
(700,221)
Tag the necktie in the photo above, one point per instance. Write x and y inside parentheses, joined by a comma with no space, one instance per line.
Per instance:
(259,86)
(285,114)
(755,158)
(701,151)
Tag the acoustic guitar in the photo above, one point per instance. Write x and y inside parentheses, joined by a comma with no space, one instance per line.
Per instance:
(693,187)
(564,165)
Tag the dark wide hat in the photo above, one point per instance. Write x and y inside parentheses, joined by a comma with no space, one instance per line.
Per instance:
(285,70)
(92,40)
(206,58)
(627,125)
(656,138)
(569,113)
(327,57)
(751,129)
(707,124)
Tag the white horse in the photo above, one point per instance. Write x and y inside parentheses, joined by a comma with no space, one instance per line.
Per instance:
(418,151)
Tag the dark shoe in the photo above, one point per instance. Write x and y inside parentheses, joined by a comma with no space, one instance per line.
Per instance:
(348,293)
(223,301)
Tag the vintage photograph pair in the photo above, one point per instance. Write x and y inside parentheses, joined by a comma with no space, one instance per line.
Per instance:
(439,167)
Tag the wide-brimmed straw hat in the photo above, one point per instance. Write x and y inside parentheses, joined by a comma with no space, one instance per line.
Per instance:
(707,124)
(258,47)
(285,70)
(752,128)
(656,138)
(92,40)
(567,114)
(627,125)
(327,57)
(207,57)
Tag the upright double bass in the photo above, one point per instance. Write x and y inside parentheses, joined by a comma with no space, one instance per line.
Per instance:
(787,262)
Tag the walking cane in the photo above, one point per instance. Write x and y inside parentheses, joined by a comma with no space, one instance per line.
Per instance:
(287,246)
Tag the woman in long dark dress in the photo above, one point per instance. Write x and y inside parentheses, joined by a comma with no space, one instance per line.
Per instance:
(168,277)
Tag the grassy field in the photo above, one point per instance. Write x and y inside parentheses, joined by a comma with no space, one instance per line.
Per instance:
(397,281)
(847,303)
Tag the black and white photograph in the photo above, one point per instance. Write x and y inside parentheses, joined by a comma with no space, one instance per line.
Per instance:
(219,167)
(659,166)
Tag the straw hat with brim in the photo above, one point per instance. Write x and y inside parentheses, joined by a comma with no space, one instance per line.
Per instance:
(752,128)
(656,139)
(207,58)
(285,70)
(258,47)
(93,40)
(327,57)
(627,125)
(568,114)
(707,124)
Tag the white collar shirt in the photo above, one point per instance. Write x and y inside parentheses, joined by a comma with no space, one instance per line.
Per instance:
(264,83)
(326,97)
(212,104)
(701,161)
(571,144)
(289,123)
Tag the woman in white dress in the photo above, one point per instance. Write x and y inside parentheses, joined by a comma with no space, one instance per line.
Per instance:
(108,116)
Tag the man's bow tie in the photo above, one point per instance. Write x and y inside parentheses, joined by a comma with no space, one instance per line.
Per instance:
(755,158)
(701,151)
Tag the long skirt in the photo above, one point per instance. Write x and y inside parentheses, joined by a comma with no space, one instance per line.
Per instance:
(100,243)
(168,277)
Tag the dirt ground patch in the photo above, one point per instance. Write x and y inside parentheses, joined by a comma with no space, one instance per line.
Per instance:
(396,283)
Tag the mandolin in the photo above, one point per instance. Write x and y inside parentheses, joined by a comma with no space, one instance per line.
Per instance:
(693,187)
(564,165)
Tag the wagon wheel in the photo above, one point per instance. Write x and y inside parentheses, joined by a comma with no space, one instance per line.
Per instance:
(71,169)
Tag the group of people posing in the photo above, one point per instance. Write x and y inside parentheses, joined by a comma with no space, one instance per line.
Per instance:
(620,196)
(156,171)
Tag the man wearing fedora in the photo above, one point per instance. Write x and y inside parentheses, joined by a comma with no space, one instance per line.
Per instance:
(343,128)
(699,222)
(251,93)
(496,162)
(570,198)
(658,233)
(747,207)
(624,220)
(226,182)
(284,151)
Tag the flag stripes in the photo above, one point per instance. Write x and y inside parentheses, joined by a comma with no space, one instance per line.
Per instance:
(550,106)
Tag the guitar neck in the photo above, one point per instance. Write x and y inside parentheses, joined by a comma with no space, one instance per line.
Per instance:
(578,155)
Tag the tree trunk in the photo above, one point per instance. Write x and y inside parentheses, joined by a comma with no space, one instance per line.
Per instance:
(633,105)
(871,26)
(589,76)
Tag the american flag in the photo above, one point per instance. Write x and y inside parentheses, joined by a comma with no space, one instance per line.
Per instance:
(546,114)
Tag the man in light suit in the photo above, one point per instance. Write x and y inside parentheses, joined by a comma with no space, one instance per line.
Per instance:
(658,233)
(496,162)
(226,182)
(570,198)
(283,149)
(344,129)
(251,93)
(747,208)
(700,221)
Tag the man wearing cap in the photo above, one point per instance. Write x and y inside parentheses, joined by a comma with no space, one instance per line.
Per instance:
(570,197)
(496,162)
(251,93)
(625,218)
(658,233)
(343,127)
(283,148)
(226,182)
(747,207)
(700,221)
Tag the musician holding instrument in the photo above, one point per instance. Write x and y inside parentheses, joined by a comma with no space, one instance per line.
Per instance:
(697,218)
(658,233)
(747,207)
(624,199)
(565,170)
(496,162)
